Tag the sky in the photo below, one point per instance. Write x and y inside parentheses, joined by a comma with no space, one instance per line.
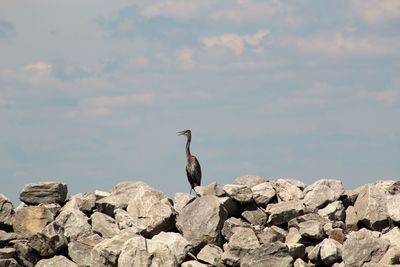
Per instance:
(93,92)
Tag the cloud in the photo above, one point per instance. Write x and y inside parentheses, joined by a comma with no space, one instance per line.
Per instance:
(234,42)
(6,28)
(386,97)
(185,56)
(339,44)
(376,11)
(176,8)
(39,72)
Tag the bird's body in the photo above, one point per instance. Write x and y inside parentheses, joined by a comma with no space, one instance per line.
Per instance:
(193,170)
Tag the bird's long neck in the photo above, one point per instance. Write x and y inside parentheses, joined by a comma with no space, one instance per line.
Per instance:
(188,147)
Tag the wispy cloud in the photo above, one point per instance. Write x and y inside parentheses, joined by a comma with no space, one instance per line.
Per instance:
(376,11)
(176,8)
(39,72)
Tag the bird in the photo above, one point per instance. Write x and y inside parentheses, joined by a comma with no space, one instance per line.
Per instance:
(193,170)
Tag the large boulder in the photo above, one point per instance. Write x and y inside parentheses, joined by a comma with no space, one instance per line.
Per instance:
(249,180)
(283,212)
(59,261)
(286,190)
(104,224)
(25,254)
(31,220)
(178,245)
(331,251)
(272,255)
(85,202)
(263,193)
(212,189)
(211,254)
(6,212)
(334,211)
(240,193)
(322,192)
(181,200)
(80,250)
(74,222)
(201,221)
(393,202)
(44,193)
(49,241)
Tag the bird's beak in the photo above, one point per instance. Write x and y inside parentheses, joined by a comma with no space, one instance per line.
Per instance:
(181,133)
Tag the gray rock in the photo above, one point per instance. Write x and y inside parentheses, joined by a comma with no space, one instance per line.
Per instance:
(351,220)
(230,224)
(107,252)
(44,192)
(25,254)
(393,207)
(31,220)
(101,194)
(363,246)
(125,221)
(322,192)
(293,236)
(295,182)
(231,206)
(337,234)
(6,253)
(301,263)
(9,263)
(49,241)
(313,254)
(284,211)
(7,237)
(263,193)
(80,250)
(334,211)
(211,254)
(272,255)
(371,207)
(181,200)
(311,229)
(74,222)
(255,215)
(193,264)
(240,243)
(56,261)
(6,212)
(296,250)
(287,191)
(392,256)
(85,202)
(201,221)
(331,251)
(139,251)
(240,193)
(250,180)
(178,245)
(393,236)
(54,208)
(104,224)
(213,189)
(270,235)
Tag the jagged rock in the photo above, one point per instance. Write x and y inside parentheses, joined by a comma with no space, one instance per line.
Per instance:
(272,255)
(25,254)
(101,194)
(31,220)
(351,220)
(80,250)
(231,206)
(56,261)
(200,221)
(6,237)
(255,215)
(139,251)
(74,222)
(331,251)
(337,234)
(181,200)
(44,193)
(312,229)
(296,250)
(263,193)
(104,224)
(295,182)
(392,256)
(125,221)
(6,212)
(211,254)
(270,235)
(363,246)
(301,263)
(293,236)
(49,241)
(240,193)
(334,211)
(178,245)
(6,253)
(313,253)
(213,189)
(287,191)
(85,202)
(107,252)
(54,208)
(151,208)
(284,211)
(393,236)
(193,264)
(230,224)
(249,180)
(393,207)
(371,207)
(9,263)
(322,192)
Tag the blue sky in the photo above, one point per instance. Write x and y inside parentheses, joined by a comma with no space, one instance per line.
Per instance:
(93,92)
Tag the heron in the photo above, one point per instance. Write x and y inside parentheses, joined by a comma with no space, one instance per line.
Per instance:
(193,170)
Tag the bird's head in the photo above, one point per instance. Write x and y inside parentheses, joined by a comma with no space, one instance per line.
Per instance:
(186,133)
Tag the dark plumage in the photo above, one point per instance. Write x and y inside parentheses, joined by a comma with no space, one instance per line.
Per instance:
(193,169)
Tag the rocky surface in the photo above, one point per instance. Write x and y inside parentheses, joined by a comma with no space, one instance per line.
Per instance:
(252,222)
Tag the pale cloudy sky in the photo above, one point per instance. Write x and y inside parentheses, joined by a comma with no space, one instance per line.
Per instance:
(93,92)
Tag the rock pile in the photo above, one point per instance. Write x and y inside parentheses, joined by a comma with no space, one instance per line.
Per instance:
(251,222)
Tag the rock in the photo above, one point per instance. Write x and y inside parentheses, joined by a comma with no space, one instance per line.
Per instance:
(371,207)
(151,208)
(31,220)
(44,193)
(101,194)
(270,235)
(394,189)
(231,206)
(178,245)
(56,261)
(211,254)
(231,224)
(293,236)
(334,211)
(125,221)
(6,212)
(193,264)
(139,251)
(49,241)
(255,215)
(392,256)
(249,180)
(104,224)
(322,192)
(181,200)
(74,222)
(25,254)
(301,263)
(263,193)
(6,253)
(213,189)
(201,221)
(287,191)
(272,255)
(9,263)
(240,193)
(80,250)
(311,229)
(107,252)
(313,254)
(6,237)
(296,250)
(85,202)
(54,208)
(331,251)
(240,243)
(351,220)
(363,246)
(284,211)
(393,236)
(393,207)
(337,234)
